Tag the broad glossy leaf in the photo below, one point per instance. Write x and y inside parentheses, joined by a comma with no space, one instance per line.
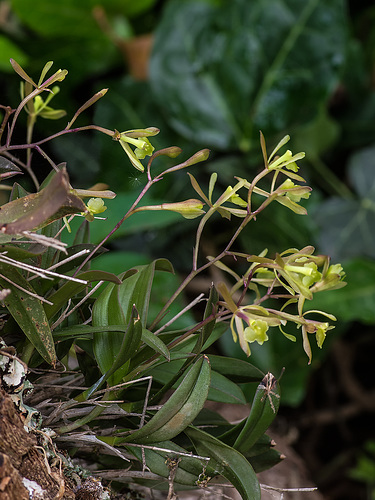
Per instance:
(46,19)
(228,462)
(28,312)
(318,136)
(347,225)
(225,70)
(9,49)
(53,20)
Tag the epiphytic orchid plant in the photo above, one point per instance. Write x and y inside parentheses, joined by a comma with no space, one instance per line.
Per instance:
(58,311)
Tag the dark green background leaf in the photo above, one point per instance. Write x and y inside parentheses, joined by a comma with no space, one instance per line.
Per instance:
(347,225)
(225,71)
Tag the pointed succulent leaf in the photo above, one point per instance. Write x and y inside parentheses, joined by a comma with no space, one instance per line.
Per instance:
(28,312)
(180,409)
(231,464)
(155,343)
(223,390)
(235,369)
(72,288)
(130,343)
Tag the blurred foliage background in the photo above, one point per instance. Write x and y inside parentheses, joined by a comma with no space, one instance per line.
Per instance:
(212,73)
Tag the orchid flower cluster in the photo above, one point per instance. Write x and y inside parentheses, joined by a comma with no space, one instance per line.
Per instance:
(299,273)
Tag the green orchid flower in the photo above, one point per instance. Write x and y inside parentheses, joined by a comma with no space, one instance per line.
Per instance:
(287,160)
(94,206)
(139,139)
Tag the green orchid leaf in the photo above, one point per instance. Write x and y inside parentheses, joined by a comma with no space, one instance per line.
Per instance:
(236,370)
(85,332)
(224,390)
(155,343)
(17,192)
(187,472)
(130,343)
(207,329)
(22,254)
(75,249)
(227,462)
(264,444)
(209,417)
(244,76)
(50,254)
(82,234)
(266,460)
(163,372)
(217,332)
(148,350)
(115,304)
(221,388)
(28,312)
(72,288)
(263,411)
(107,311)
(180,409)
(138,287)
